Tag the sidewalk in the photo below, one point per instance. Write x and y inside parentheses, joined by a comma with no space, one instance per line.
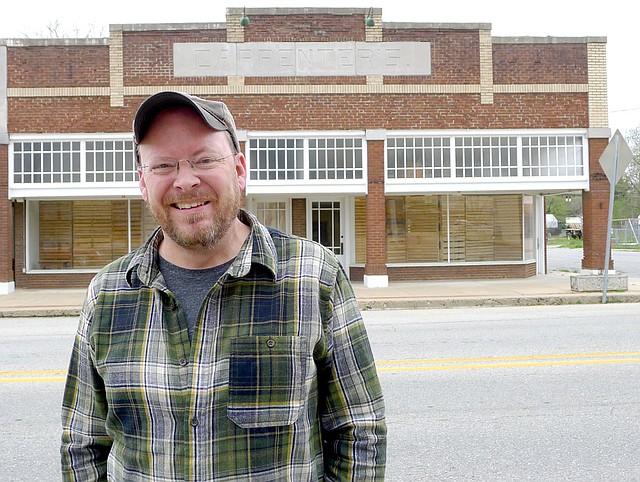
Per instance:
(550,289)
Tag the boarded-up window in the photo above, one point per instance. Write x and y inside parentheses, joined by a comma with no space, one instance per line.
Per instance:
(56,235)
(396,229)
(507,228)
(428,229)
(361,229)
(423,229)
(479,244)
(455,227)
(89,234)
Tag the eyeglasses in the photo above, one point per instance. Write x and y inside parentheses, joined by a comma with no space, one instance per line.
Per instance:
(173,167)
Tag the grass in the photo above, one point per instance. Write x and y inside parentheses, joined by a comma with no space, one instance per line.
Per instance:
(627,247)
(564,242)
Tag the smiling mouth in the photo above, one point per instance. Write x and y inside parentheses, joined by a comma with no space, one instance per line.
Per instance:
(189,205)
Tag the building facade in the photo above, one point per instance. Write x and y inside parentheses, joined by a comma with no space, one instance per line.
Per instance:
(412,150)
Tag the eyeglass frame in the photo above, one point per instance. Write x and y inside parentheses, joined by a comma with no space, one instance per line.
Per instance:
(138,158)
(203,164)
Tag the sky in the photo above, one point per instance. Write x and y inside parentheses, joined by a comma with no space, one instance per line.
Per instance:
(617,20)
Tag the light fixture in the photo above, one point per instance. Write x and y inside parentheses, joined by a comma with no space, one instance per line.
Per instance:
(369,21)
(244,21)
(567,199)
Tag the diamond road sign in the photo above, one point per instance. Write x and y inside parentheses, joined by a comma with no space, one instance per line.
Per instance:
(615,158)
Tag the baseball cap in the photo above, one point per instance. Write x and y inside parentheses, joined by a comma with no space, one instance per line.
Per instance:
(215,113)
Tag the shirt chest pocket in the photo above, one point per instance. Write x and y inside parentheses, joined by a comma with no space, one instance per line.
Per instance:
(267,380)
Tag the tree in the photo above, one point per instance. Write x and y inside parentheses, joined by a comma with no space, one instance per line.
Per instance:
(565,205)
(627,196)
(55,29)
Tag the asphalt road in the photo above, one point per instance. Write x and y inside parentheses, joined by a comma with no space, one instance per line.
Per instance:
(511,394)
(541,393)
(567,259)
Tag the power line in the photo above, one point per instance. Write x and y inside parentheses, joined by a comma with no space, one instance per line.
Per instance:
(624,110)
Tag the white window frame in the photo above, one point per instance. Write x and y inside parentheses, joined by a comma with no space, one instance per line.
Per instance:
(488,181)
(78,186)
(306,185)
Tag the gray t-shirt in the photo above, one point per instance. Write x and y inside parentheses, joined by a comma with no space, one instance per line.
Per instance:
(190,286)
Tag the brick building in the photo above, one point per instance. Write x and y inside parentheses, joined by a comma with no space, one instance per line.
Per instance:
(413,150)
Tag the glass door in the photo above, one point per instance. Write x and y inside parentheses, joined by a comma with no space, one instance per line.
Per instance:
(327,228)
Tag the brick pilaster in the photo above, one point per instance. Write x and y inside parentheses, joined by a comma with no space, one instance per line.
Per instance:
(374,34)
(6,220)
(598,104)
(595,209)
(116,67)
(299,217)
(486,67)
(376,220)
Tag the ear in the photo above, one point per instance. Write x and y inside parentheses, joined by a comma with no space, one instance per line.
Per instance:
(143,185)
(241,171)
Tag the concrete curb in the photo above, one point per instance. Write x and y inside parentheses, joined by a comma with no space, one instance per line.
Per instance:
(475,302)
(39,312)
(400,303)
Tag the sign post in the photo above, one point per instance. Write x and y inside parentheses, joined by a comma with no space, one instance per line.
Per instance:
(614,161)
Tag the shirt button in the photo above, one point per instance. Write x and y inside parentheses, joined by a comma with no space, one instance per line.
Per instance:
(194,422)
(183,362)
(271,343)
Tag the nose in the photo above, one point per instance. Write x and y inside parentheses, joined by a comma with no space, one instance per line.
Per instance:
(185,176)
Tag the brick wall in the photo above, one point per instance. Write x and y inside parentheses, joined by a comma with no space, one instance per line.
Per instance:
(67,115)
(302,27)
(266,112)
(432,111)
(538,63)
(455,57)
(148,56)
(413,273)
(58,66)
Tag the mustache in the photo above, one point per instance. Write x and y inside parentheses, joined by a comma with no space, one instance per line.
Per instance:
(190,197)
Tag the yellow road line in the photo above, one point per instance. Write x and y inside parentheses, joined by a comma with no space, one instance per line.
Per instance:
(32,379)
(512,358)
(33,372)
(436,364)
(33,376)
(508,362)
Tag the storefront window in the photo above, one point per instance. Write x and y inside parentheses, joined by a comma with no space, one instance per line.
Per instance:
(454,228)
(84,234)
(360,208)
(272,214)
(413,229)
(529,228)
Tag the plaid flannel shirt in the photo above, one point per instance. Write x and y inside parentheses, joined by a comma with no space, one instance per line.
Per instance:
(277,384)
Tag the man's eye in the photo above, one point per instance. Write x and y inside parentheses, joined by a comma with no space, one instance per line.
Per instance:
(166,166)
(207,161)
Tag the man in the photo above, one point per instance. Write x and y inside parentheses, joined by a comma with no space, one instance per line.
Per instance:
(219,350)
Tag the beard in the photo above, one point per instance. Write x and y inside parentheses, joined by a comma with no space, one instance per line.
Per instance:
(202,232)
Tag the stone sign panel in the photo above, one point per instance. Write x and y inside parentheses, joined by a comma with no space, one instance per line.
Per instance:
(291,59)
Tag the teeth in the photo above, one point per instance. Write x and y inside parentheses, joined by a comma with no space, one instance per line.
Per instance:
(188,205)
